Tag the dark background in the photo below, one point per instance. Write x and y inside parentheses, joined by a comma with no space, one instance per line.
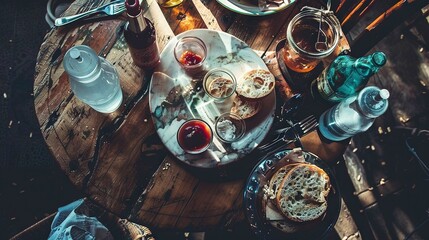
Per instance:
(32,186)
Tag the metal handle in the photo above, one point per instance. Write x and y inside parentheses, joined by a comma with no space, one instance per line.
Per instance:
(65,20)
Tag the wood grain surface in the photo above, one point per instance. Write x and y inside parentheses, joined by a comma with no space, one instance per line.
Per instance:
(117,159)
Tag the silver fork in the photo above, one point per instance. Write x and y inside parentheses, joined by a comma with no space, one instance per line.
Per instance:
(112,8)
(288,135)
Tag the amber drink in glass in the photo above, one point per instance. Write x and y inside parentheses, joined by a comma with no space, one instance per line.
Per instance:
(300,52)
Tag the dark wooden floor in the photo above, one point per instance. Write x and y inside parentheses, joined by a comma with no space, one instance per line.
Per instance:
(32,186)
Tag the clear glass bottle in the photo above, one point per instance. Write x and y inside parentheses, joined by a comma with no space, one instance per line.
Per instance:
(353,115)
(93,79)
(345,76)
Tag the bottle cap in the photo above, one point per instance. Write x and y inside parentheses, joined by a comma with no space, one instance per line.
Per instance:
(379,58)
(372,101)
(81,62)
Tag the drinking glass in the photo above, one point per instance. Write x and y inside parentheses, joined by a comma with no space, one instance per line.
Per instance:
(304,33)
(169,3)
(219,84)
(190,52)
(194,136)
(229,127)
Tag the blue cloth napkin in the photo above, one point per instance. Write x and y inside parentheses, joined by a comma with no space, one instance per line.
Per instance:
(71,224)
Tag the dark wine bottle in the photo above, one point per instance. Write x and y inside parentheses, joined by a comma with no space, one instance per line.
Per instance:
(140,36)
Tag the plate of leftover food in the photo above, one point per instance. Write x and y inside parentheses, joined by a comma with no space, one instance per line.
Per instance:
(256,7)
(177,95)
(292,194)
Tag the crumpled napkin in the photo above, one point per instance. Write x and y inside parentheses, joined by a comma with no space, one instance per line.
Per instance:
(71,222)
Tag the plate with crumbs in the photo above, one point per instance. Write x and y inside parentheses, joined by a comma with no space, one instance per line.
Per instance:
(266,220)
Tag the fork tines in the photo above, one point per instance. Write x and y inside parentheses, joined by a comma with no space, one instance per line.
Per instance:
(307,124)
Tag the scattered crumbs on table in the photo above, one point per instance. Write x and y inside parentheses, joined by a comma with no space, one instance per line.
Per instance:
(166,166)
(31,134)
(355,150)
(10,123)
(372,147)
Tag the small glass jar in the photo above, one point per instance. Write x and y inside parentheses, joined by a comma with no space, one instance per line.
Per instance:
(229,127)
(304,32)
(190,52)
(219,84)
(194,136)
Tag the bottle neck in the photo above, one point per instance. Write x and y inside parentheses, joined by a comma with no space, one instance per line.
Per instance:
(137,23)
(368,65)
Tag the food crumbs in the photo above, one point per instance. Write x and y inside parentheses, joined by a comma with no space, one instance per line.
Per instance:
(166,166)
(380,130)
(389,129)
(145,120)
(4,95)
(382,181)
(31,134)
(372,147)
(10,123)
(268,192)
(358,177)
(355,150)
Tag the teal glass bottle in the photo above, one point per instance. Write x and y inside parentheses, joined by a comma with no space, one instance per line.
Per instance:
(346,75)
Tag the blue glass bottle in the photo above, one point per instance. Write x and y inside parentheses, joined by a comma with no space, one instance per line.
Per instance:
(345,76)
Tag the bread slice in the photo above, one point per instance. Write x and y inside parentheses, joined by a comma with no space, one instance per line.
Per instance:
(243,108)
(303,193)
(279,175)
(256,84)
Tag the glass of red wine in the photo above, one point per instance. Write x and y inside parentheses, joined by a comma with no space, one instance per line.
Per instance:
(194,136)
(190,52)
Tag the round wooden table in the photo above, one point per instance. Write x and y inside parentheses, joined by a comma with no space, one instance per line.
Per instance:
(117,159)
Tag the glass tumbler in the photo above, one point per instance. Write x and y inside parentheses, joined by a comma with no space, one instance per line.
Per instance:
(229,127)
(306,32)
(194,136)
(190,52)
(219,84)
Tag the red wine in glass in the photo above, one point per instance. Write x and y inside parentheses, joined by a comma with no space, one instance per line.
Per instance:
(194,136)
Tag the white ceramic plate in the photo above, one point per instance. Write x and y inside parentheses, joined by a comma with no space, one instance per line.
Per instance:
(250,7)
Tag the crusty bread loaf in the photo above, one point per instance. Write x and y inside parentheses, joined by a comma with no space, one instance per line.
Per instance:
(256,84)
(243,108)
(303,193)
